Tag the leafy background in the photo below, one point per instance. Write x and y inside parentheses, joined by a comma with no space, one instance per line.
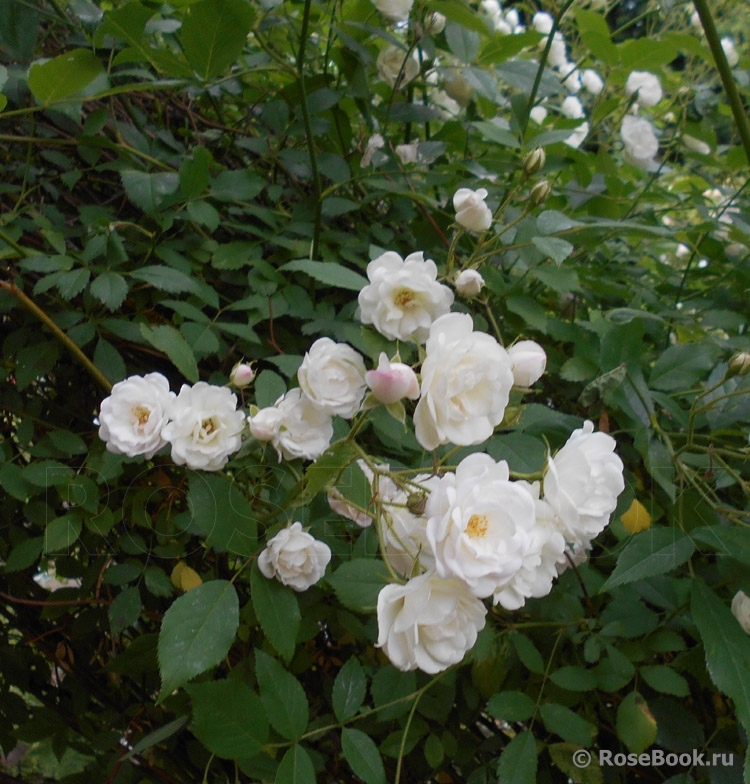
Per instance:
(183,187)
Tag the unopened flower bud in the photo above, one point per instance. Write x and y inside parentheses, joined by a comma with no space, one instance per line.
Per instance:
(534,161)
(741,610)
(540,193)
(739,364)
(265,424)
(392,381)
(242,375)
(434,23)
(528,361)
(469,283)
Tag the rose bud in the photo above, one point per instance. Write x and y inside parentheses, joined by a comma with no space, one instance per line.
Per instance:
(528,360)
(392,381)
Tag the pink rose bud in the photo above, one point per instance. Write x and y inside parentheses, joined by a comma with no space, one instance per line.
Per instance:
(528,360)
(469,283)
(392,381)
(242,374)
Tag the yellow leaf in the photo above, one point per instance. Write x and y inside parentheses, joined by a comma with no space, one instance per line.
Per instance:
(184,578)
(636,518)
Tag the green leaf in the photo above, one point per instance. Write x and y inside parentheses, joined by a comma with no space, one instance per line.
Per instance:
(727,541)
(464,43)
(277,610)
(48,473)
(214,34)
(652,552)
(194,173)
(502,47)
(110,288)
(19,27)
(363,756)
(643,54)
(157,736)
(63,76)
(328,272)
(358,582)
(33,362)
(107,358)
(61,534)
(170,341)
(166,279)
(495,133)
(24,555)
(567,724)
(636,725)
(524,454)
(326,470)
(269,387)
(235,186)
(296,767)
(554,248)
(664,679)
(149,191)
(335,205)
(125,610)
(196,633)
(574,678)
(222,512)
(283,697)
(727,647)
(527,652)
(681,367)
(511,706)
(349,690)
(228,717)
(519,760)
(390,684)
(458,11)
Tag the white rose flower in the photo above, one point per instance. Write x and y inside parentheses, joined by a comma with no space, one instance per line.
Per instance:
(741,610)
(429,623)
(592,81)
(403,297)
(332,376)
(466,381)
(471,211)
(395,10)
(641,144)
(294,558)
(205,427)
(528,361)
(727,44)
(469,283)
(392,381)
(304,430)
(539,569)
(480,524)
(647,85)
(457,86)
(396,66)
(264,426)
(572,107)
(132,418)
(582,483)
(542,22)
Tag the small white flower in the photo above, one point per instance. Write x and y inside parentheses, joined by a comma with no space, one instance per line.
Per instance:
(538,114)
(294,558)
(408,153)
(582,483)
(571,78)
(443,101)
(558,53)
(332,376)
(727,44)
(641,144)
(542,22)
(434,23)
(528,361)
(374,143)
(741,610)
(469,283)
(466,382)
(480,524)
(304,430)
(132,418)
(396,66)
(592,82)
(647,85)
(492,11)
(572,108)
(457,86)
(578,136)
(395,10)
(392,381)
(205,427)
(403,297)
(429,623)
(265,424)
(471,211)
